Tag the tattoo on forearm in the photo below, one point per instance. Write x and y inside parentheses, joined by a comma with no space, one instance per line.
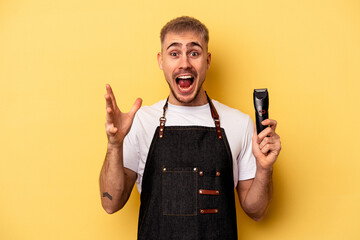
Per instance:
(106,194)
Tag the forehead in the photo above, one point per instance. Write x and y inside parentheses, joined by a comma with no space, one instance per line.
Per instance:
(183,39)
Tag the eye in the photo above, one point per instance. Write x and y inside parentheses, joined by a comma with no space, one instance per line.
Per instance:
(174,54)
(194,54)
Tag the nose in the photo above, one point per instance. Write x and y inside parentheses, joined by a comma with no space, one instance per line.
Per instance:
(185,63)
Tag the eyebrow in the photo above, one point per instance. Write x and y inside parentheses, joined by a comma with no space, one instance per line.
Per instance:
(191,44)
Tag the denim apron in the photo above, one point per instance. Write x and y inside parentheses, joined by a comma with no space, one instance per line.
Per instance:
(187,187)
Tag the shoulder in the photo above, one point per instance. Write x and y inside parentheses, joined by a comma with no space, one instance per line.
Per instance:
(237,125)
(150,112)
(145,121)
(231,114)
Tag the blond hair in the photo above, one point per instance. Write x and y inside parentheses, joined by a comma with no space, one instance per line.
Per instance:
(185,24)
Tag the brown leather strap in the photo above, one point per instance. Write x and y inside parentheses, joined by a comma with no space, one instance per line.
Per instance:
(215,116)
(163,120)
(208,192)
(214,113)
(207,211)
(218,129)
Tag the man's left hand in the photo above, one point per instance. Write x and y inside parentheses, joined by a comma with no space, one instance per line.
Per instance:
(266,146)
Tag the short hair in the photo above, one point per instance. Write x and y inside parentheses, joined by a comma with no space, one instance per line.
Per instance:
(185,24)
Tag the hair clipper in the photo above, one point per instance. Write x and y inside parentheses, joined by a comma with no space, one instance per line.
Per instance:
(261,104)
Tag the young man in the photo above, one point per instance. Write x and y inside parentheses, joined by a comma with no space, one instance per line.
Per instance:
(188,163)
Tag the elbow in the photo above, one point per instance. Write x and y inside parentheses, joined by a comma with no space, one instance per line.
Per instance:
(257,215)
(111,209)
(261,214)
(256,211)
(112,205)
(257,218)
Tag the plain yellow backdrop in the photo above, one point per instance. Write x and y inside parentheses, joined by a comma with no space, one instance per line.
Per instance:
(56,57)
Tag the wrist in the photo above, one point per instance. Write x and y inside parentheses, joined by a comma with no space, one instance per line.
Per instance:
(115,146)
(264,170)
(264,175)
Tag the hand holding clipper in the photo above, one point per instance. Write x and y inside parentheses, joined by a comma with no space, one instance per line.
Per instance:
(261,104)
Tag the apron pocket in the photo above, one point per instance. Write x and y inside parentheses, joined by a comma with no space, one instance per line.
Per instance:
(179,196)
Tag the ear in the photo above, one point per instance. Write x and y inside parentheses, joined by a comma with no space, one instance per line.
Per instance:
(208,60)
(159,58)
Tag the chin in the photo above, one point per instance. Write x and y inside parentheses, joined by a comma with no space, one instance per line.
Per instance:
(186,99)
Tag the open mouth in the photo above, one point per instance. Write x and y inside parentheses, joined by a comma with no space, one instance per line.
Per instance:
(185,82)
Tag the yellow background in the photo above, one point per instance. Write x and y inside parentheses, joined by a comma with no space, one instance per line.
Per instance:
(56,56)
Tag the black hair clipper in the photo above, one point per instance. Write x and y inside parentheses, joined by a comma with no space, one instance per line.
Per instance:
(261,104)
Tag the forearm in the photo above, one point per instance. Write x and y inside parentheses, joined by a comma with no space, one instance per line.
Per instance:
(259,195)
(112,180)
(116,182)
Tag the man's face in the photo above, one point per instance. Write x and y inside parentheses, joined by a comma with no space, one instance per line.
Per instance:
(184,60)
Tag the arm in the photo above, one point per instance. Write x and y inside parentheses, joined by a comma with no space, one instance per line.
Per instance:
(255,194)
(116,182)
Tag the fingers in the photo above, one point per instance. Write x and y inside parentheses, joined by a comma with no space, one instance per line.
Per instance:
(135,107)
(110,117)
(267,140)
(111,106)
(109,109)
(111,95)
(109,103)
(255,144)
(270,146)
(116,121)
(110,114)
(110,129)
(270,122)
(269,131)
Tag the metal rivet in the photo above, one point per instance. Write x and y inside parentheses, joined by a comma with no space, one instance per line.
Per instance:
(216,211)
(217,173)
(201,173)
(200,191)
(217,192)
(161,129)
(164,169)
(195,169)
(201,211)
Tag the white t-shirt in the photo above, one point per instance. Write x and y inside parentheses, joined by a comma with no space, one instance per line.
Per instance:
(238,128)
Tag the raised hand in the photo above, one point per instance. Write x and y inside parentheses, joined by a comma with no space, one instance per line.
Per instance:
(266,146)
(117,123)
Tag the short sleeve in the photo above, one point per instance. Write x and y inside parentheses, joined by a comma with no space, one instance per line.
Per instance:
(246,159)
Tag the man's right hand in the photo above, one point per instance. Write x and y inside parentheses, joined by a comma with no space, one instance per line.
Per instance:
(118,124)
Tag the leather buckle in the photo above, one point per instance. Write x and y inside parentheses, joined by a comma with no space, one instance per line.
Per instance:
(162,125)
(207,211)
(218,129)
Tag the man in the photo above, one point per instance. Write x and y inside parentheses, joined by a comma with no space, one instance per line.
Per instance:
(188,163)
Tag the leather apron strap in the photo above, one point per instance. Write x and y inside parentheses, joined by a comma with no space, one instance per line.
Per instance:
(214,115)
